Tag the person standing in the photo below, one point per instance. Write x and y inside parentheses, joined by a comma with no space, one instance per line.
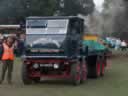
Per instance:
(21,44)
(123,45)
(7,57)
(118,44)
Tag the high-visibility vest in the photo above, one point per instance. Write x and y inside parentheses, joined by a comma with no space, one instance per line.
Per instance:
(8,53)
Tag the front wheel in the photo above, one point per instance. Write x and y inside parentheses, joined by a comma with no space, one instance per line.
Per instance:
(76,73)
(83,72)
(25,75)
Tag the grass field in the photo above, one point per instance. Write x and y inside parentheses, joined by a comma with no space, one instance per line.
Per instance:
(114,83)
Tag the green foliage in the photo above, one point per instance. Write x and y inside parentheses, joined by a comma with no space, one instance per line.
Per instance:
(14,11)
(74,7)
(120,25)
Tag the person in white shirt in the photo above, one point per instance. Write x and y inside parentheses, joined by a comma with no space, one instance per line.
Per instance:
(118,44)
(123,45)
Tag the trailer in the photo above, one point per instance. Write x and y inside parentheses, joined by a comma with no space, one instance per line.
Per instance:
(55,48)
(97,55)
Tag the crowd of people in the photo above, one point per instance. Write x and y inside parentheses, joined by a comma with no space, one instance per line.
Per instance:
(117,43)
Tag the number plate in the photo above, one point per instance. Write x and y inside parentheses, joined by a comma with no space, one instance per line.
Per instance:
(46,65)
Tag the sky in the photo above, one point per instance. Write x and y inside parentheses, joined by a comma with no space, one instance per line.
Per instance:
(99,4)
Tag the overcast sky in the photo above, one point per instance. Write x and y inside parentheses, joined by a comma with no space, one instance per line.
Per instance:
(99,4)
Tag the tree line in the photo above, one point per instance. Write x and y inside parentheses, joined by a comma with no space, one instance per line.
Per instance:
(115,18)
(15,11)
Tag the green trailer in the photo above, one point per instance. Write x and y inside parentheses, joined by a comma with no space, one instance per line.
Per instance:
(96,56)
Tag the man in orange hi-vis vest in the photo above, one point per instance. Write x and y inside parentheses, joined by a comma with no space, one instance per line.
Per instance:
(7,58)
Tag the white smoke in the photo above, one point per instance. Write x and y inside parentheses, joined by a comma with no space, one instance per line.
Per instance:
(99,5)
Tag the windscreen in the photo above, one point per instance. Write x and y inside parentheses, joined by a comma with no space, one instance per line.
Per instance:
(46,34)
(46,41)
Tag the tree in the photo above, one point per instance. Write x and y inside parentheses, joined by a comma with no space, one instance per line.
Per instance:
(121,22)
(74,7)
(16,10)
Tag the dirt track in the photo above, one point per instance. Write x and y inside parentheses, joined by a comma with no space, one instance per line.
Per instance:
(115,83)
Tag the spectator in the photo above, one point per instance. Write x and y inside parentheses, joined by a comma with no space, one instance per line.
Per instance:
(7,57)
(118,44)
(123,45)
(20,45)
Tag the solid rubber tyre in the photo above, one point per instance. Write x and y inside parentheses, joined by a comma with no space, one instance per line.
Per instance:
(96,68)
(76,73)
(25,75)
(103,67)
(83,72)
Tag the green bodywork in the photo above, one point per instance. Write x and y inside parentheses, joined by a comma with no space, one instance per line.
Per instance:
(94,45)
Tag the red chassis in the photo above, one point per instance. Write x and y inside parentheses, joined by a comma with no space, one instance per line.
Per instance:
(55,68)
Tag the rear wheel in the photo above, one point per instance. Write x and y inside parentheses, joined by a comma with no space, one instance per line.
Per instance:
(103,67)
(97,68)
(76,73)
(25,75)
